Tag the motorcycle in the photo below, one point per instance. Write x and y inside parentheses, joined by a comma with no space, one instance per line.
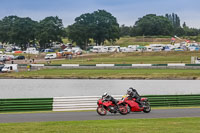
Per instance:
(133,106)
(104,106)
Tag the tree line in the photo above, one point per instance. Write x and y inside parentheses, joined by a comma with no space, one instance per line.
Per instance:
(98,26)
(25,31)
(153,25)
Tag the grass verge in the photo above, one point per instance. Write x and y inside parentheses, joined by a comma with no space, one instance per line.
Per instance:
(132,58)
(167,125)
(108,74)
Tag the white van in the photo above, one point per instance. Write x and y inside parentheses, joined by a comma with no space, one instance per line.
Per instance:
(113,48)
(50,56)
(31,50)
(99,49)
(10,68)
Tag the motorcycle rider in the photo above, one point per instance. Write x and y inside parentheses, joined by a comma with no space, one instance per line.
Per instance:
(134,94)
(107,97)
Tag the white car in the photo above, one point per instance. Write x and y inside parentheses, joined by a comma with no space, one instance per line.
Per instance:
(50,56)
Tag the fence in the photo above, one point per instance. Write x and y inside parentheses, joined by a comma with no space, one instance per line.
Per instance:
(89,102)
(30,104)
(113,65)
(109,66)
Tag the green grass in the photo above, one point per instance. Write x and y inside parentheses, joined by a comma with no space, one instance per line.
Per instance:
(132,58)
(167,125)
(65,40)
(125,41)
(109,73)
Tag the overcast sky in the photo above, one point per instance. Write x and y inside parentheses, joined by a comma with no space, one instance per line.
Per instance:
(126,11)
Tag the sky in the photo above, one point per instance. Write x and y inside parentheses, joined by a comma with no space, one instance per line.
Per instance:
(126,11)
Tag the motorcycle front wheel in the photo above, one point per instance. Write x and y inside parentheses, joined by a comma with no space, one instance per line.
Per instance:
(123,110)
(128,108)
(101,111)
(147,108)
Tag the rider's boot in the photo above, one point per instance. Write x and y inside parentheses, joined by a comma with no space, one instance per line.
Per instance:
(117,107)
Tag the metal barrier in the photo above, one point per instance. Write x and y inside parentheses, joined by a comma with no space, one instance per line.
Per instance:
(31,104)
(75,103)
(114,65)
(90,102)
(174,100)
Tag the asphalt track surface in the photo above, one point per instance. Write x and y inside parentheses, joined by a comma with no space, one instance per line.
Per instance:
(92,115)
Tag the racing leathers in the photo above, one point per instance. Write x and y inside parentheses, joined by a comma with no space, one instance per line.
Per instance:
(134,94)
(110,98)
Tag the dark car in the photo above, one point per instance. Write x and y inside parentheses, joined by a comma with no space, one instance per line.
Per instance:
(19,57)
(1,67)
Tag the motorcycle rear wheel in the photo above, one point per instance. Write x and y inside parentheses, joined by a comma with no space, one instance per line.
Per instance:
(101,111)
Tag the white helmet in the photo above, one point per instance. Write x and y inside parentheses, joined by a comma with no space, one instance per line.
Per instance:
(129,91)
(105,94)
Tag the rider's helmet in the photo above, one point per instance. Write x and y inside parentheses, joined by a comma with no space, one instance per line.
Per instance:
(105,95)
(129,91)
(134,90)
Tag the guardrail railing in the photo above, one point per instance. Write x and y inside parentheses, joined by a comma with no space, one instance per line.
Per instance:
(26,104)
(89,102)
(114,65)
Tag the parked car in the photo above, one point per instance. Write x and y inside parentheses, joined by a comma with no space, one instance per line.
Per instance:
(19,57)
(2,59)
(10,56)
(1,67)
(5,58)
(50,56)
(47,50)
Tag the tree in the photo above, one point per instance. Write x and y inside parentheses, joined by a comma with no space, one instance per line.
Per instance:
(184,25)
(3,37)
(190,31)
(82,30)
(50,30)
(125,30)
(152,25)
(174,19)
(18,31)
(105,27)
(99,26)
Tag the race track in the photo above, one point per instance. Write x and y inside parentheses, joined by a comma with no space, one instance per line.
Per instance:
(92,115)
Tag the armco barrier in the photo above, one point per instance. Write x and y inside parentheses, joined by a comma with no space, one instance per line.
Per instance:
(75,103)
(192,64)
(158,64)
(90,102)
(70,65)
(37,65)
(105,65)
(174,100)
(180,65)
(25,104)
(123,64)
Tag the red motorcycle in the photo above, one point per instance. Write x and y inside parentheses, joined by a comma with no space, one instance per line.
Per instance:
(104,106)
(133,106)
